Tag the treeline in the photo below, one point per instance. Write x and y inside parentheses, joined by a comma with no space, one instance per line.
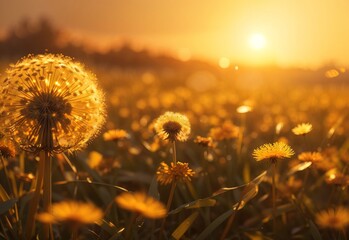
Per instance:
(29,38)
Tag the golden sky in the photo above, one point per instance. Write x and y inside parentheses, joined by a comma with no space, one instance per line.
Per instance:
(306,33)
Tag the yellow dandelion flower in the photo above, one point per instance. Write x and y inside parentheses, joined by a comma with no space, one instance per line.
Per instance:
(94,159)
(50,103)
(333,218)
(70,212)
(225,132)
(310,157)
(302,129)
(204,141)
(172,126)
(115,135)
(7,149)
(142,204)
(273,151)
(176,172)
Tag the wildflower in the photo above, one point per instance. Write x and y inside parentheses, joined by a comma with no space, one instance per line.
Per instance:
(225,132)
(50,103)
(115,135)
(172,126)
(70,212)
(7,149)
(176,172)
(94,159)
(142,204)
(204,141)
(302,129)
(273,151)
(310,157)
(333,218)
(334,176)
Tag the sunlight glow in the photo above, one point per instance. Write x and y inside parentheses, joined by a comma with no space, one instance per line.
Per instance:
(224,62)
(257,41)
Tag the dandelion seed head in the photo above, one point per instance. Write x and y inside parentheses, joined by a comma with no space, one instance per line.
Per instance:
(172,126)
(50,102)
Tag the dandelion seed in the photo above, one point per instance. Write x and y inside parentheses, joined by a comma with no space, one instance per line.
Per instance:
(73,213)
(50,103)
(273,151)
(142,204)
(333,218)
(302,129)
(172,126)
(176,172)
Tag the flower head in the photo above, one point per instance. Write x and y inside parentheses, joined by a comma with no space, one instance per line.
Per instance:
(70,212)
(176,172)
(333,218)
(51,103)
(302,129)
(277,150)
(225,132)
(310,157)
(142,204)
(204,141)
(115,135)
(172,126)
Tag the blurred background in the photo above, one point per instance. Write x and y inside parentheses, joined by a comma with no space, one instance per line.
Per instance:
(307,34)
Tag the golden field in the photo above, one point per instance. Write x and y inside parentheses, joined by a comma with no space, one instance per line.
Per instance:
(145,181)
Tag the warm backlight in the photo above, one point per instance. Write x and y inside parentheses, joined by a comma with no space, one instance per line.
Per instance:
(257,41)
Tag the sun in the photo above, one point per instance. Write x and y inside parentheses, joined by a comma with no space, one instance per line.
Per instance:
(257,41)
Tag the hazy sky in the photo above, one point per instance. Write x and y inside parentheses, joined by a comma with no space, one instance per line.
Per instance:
(296,32)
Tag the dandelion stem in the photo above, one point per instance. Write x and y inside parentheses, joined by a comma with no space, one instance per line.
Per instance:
(168,206)
(74,232)
(174,155)
(47,192)
(274,194)
(129,227)
(170,197)
(30,224)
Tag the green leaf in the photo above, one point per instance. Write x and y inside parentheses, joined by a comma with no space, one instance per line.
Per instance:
(3,194)
(249,192)
(314,231)
(299,167)
(216,223)
(205,202)
(255,181)
(184,226)
(7,205)
(153,189)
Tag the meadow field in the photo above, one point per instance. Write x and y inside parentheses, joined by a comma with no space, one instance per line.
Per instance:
(188,153)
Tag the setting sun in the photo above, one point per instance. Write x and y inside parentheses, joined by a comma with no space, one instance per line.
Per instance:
(257,41)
